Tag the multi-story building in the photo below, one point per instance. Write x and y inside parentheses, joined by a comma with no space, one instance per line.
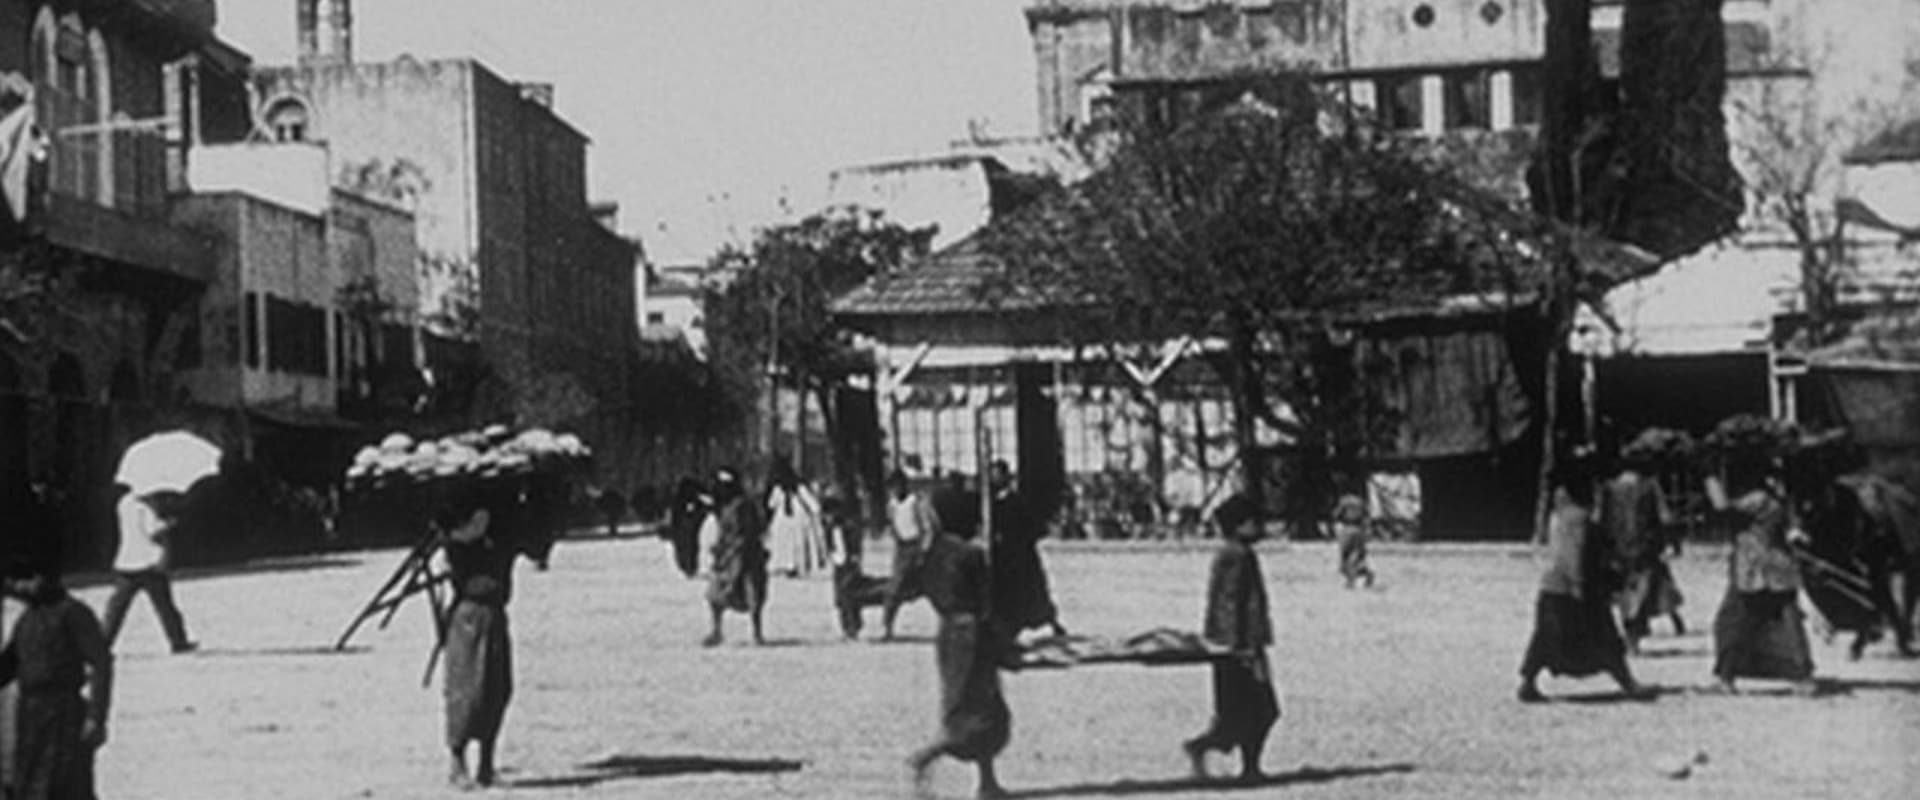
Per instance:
(513,262)
(310,312)
(89,363)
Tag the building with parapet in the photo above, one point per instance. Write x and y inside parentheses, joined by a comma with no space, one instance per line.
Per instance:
(529,300)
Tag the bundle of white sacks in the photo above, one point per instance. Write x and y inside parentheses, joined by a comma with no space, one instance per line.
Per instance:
(491,452)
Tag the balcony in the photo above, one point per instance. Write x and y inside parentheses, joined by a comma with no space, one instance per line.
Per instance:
(146,242)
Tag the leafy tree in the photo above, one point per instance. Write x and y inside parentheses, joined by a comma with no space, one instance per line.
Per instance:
(1270,225)
(769,323)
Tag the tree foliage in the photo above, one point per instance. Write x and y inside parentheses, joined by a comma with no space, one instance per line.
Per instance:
(783,282)
(1271,225)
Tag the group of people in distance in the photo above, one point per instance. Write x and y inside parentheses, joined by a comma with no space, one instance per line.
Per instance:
(1606,547)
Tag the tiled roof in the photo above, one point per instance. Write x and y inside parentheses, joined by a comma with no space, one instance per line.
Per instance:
(961,279)
(1899,143)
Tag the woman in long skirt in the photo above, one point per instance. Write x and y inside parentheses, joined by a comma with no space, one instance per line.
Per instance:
(478,681)
(1759,631)
(739,580)
(975,722)
(1634,512)
(1573,630)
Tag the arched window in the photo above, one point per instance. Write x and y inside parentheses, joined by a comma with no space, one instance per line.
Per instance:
(287,120)
(70,95)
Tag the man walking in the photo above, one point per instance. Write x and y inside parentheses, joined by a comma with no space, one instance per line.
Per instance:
(146,523)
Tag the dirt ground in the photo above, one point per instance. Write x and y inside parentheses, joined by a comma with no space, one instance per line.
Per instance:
(1405,690)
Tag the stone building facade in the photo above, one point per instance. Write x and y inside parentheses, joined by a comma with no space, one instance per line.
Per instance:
(516,273)
(88,363)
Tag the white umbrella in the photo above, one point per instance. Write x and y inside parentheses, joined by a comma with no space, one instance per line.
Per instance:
(169,461)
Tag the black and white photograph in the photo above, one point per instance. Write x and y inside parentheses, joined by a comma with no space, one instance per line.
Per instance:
(929,399)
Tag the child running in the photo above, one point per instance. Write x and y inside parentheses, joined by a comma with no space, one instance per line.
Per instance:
(1350,532)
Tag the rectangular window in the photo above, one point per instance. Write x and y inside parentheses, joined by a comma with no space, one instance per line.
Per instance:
(1399,101)
(1468,101)
(296,338)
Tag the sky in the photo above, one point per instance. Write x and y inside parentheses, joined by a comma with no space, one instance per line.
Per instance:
(705,114)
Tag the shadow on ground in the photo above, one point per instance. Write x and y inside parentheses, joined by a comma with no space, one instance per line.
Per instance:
(82,580)
(1675,652)
(1303,775)
(1648,693)
(624,767)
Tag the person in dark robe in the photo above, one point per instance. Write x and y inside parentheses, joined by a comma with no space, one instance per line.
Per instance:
(975,722)
(739,581)
(59,657)
(1758,631)
(1574,634)
(1634,511)
(690,507)
(478,676)
(1237,618)
(1021,597)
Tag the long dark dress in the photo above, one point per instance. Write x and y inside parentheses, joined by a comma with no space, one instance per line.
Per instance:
(739,557)
(479,647)
(1632,509)
(1573,630)
(47,654)
(1759,631)
(683,529)
(975,722)
(1244,704)
(1021,596)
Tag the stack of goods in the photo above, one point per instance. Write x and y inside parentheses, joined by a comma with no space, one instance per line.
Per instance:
(1157,646)
(489,453)
(1750,436)
(1661,447)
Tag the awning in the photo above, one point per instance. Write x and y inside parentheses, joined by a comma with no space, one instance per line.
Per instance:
(303,418)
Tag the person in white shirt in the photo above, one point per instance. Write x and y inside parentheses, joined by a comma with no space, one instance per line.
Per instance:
(913,523)
(146,520)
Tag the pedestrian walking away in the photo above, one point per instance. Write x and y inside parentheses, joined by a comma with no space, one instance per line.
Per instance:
(739,581)
(147,522)
(1759,631)
(58,656)
(1634,511)
(1573,630)
(1245,706)
(975,723)
(1021,597)
(912,523)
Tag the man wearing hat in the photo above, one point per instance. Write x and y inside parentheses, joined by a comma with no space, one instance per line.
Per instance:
(59,655)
